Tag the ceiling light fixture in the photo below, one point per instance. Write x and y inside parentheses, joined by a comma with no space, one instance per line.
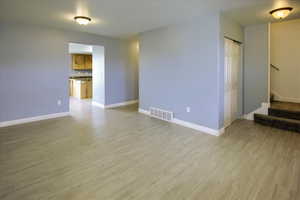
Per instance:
(281,13)
(82,20)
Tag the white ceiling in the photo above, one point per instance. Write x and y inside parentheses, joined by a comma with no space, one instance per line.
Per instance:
(259,13)
(122,18)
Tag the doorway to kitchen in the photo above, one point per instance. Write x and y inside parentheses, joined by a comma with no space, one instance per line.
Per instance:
(86,74)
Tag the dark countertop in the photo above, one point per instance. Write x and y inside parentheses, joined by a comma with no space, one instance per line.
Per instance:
(79,77)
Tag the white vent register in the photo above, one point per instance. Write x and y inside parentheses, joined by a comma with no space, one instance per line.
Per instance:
(161,114)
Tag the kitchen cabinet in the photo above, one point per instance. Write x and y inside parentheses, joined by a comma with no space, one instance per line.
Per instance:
(88,62)
(89,90)
(82,88)
(71,87)
(78,61)
(82,62)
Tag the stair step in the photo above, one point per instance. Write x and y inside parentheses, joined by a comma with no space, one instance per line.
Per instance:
(278,122)
(284,113)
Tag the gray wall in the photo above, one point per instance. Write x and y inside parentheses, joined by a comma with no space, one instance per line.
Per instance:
(179,68)
(122,82)
(233,30)
(256,66)
(132,51)
(34,66)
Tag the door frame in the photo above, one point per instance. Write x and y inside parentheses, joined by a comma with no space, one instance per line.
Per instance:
(269,63)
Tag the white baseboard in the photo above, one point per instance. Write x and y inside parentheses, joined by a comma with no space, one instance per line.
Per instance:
(199,127)
(145,112)
(33,119)
(98,104)
(125,103)
(278,97)
(191,125)
(287,99)
(261,110)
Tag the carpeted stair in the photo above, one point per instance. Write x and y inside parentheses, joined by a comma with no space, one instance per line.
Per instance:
(282,119)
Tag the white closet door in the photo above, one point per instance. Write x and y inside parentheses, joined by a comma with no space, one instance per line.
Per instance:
(231,71)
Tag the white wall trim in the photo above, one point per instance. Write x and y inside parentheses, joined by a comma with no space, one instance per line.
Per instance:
(287,99)
(191,125)
(145,112)
(278,97)
(199,127)
(125,103)
(94,103)
(33,119)
(261,110)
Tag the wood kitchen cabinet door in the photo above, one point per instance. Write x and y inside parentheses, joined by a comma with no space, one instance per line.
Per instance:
(80,90)
(83,90)
(88,62)
(78,61)
(77,89)
(71,87)
(89,89)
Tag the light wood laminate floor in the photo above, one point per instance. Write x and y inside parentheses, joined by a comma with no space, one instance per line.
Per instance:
(119,154)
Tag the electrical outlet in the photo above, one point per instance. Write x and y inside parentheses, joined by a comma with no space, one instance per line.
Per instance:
(59,102)
(188,109)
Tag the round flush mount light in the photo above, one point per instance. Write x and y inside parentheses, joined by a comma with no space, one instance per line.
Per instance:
(281,13)
(82,20)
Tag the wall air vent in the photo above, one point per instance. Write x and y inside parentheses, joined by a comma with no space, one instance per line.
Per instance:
(161,114)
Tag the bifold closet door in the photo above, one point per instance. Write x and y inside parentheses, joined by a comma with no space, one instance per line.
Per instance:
(231,71)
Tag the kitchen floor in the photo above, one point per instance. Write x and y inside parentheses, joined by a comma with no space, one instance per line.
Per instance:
(121,154)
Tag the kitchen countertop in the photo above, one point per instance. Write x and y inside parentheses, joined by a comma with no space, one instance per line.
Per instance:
(80,77)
